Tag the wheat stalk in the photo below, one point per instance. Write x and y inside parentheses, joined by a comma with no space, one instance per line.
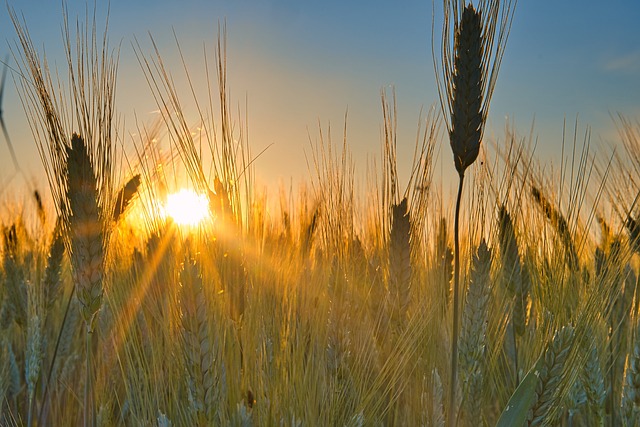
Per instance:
(34,352)
(80,170)
(470,67)
(87,247)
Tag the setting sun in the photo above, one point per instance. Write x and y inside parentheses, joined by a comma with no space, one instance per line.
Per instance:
(186,207)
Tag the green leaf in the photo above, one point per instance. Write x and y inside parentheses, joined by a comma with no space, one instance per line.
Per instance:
(515,413)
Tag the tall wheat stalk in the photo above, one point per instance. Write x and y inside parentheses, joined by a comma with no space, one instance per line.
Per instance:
(473,41)
(79,169)
(87,246)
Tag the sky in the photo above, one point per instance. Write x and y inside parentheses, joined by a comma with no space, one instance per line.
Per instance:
(301,65)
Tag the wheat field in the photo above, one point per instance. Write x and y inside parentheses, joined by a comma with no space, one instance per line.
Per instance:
(334,304)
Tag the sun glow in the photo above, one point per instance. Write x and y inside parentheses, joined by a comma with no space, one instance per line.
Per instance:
(186,207)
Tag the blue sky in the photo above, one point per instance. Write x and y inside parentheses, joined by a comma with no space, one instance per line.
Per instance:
(300,62)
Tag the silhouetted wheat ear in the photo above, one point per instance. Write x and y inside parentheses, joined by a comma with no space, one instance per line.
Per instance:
(515,274)
(54,266)
(634,233)
(14,280)
(39,206)
(511,265)
(400,257)
(85,228)
(124,196)
(444,255)
(560,224)
(467,118)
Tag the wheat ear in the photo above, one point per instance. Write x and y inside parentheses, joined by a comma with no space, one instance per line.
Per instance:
(560,224)
(52,280)
(473,333)
(515,278)
(85,228)
(16,291)
(42,215)
(125,196)
(400,260)
(197,339)
(444,256)
(594,387)
(630,405)
(163,420)
(634,233)
(550,377)
(437,418)
(467,115)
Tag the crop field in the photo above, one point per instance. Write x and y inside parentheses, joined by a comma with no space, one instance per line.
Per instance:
(157,286)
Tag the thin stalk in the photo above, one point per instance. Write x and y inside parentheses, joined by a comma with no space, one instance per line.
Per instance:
(45,403)
(451,416)
(515,353)
(89,419)
(31,407)
(611,404)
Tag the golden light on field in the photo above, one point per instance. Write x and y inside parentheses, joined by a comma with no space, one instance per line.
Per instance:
(186,207)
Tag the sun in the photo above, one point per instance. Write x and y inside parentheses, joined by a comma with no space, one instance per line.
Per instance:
(186,207)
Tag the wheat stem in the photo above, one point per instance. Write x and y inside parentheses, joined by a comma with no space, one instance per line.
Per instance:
(47,385)
(451,416)
(88,412)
